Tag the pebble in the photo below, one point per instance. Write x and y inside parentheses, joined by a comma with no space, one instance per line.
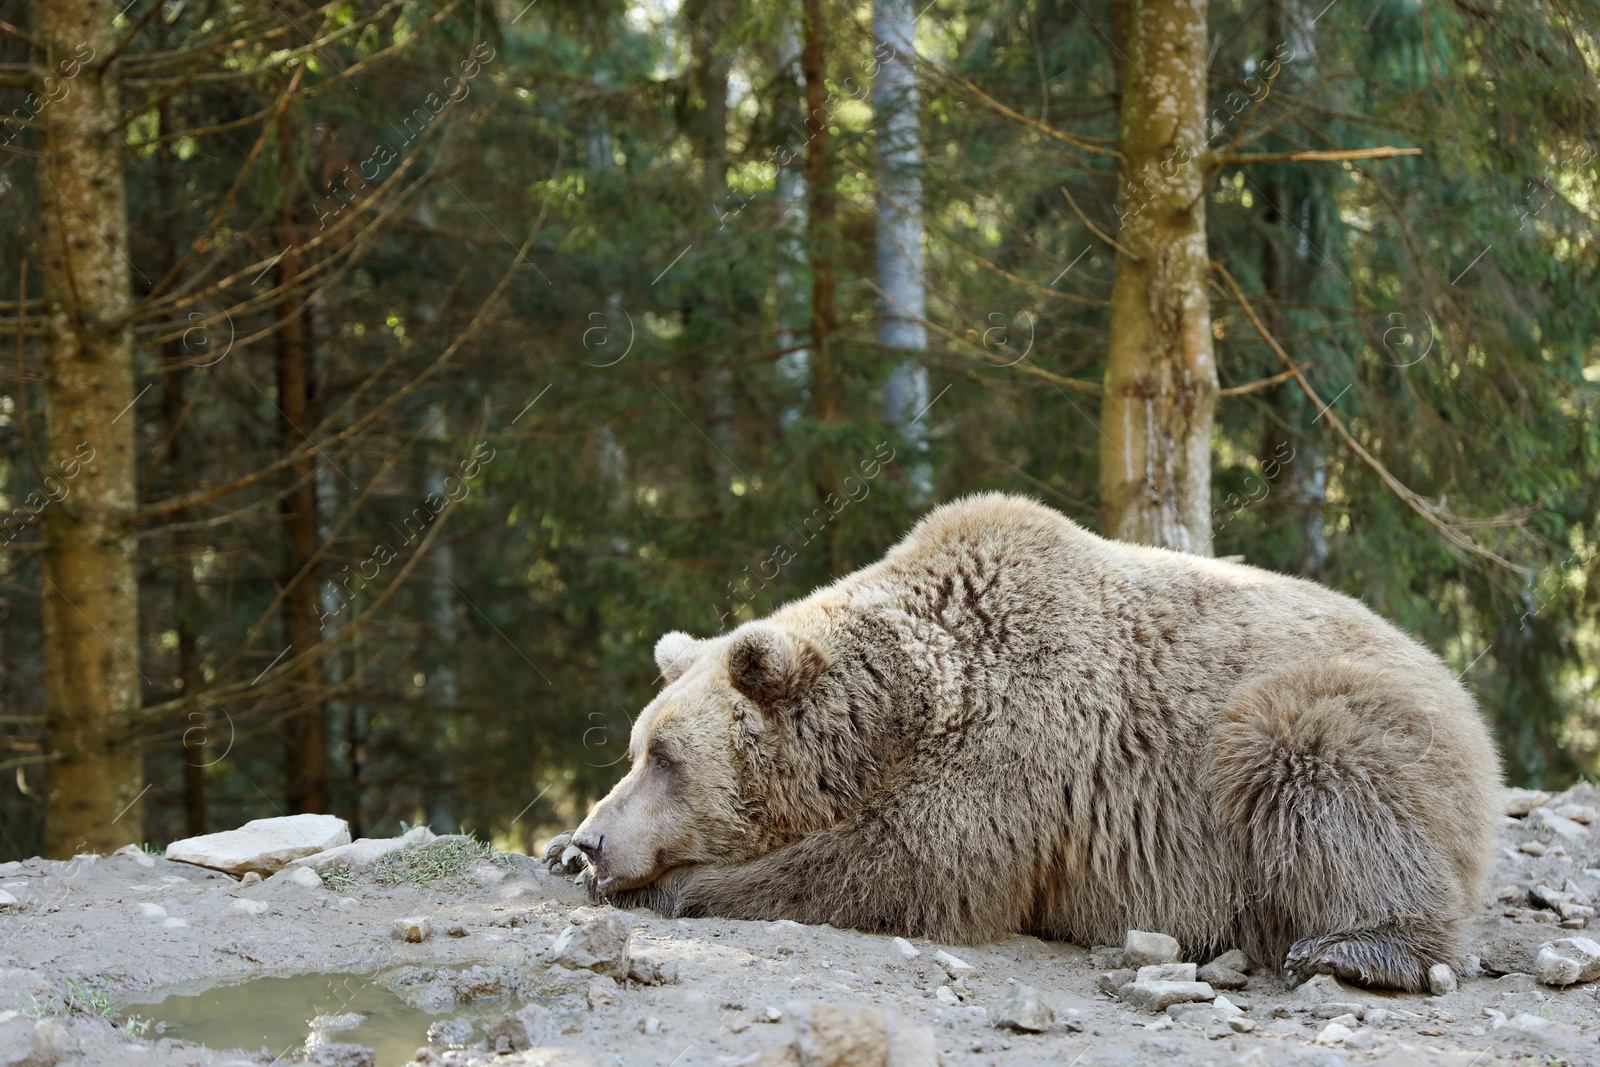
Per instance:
(1222,977)
(1334,1034)
(1532,848)
(152,911)
(1112,981)
(1567,828)
(414,930)
(599,945)
(1568,961)
(1441,979)
(7,900)
(946,996)
(1240,1025)
(457,931)
(602,993)
(1579,813)
(1143,948)
(1518,802)
(1025,1011)
(953,966)
(650,1026)
(906,948)
(250,878)
(1159,996)
(305,877)
(841,1035)
(1334,1009)
(1166,972)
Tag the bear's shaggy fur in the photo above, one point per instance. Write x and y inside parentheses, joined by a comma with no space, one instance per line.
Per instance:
(1011,724)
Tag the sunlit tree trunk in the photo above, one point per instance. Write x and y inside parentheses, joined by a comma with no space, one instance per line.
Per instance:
(305,742)
(91,592)
(903,306)
(821,237)
(1161,381)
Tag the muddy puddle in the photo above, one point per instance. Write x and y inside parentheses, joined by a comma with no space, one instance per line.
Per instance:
(288,1016)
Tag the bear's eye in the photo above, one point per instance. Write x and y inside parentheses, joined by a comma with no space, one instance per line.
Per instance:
(661,761)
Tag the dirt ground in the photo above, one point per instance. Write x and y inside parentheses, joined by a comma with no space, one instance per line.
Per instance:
(83,942)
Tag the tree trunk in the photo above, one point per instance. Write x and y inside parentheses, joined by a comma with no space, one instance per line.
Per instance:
(900,272)
(1161,380)
(91,589)
(825,378)
(305,739)
(193,727)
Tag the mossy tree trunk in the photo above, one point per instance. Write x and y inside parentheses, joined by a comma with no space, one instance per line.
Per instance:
(90,593)
(1161,380)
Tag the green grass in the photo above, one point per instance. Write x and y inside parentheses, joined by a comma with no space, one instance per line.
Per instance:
(444,861)
(339,877)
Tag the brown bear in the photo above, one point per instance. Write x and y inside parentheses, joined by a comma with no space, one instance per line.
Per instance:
(1009,724)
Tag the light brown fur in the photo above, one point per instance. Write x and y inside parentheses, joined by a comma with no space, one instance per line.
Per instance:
(1010,724)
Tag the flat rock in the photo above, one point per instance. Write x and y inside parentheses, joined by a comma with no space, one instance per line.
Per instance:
(906,949)
(1568,961)
(1159,996)
(1222,977)
(954,966)
(1567,828)
(599,945)
(1144,948)
(1024,1010)
(1166,972)
(365,852)
(262,845)
(1518,802)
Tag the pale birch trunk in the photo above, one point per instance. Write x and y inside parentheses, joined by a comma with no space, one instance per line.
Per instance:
(903,307)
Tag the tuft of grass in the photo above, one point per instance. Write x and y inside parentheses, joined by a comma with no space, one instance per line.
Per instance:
(82,997)
(339,877)
(437,861)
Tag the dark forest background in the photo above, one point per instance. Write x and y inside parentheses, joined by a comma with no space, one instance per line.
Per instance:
(451,396)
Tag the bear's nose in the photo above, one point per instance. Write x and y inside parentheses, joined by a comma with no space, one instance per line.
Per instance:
(590,844)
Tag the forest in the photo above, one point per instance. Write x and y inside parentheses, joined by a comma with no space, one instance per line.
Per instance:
(384,377)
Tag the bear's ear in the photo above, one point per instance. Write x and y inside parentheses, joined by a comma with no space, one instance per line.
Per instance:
(675,654)
(772,666)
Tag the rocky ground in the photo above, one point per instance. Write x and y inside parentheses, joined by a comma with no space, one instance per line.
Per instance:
(513,966)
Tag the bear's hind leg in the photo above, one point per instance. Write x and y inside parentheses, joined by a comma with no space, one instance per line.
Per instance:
(1316,774)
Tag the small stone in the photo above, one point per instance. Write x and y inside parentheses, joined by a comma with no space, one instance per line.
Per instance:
(602,993)
(1378,1016)
(152,911)
(1233,960)
(1159,996)
(1544,818)
(531,1026)
(650,1026)
(7,900)
(1025,1011)
(252,908)
(1533,848)
(1544,897)
(1222,977)
(953,966)
(250,878)
(1569,912)
(1143,948)
(449,1032)
(647,971)
(305,877)
(1333,1034)
(413,931)
(906,948)
(1112,981)
(1579,813)
(945,995)
(1166,972)
(1527,1021)
(457,931)
(1518,802)
(599,945)
(771,1015)
(1361,1040)
(1568,961)
(1226,1008)
(1441,979)
(1506,894)
(1240,1025)
(839,1035)
(1072,1021)
(1335,1009)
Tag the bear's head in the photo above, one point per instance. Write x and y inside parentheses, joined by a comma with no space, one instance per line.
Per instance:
(738,754)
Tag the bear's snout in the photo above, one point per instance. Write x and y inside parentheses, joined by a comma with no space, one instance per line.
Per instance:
(590,844)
